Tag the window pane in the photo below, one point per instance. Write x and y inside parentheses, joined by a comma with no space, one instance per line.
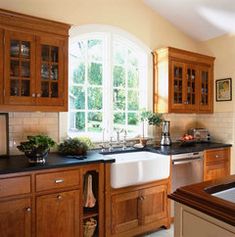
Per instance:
(77,50)
(133,78)
(119,119)
(95,74)
(118,76)
(119,54)
(80,121)
(119,99)
(94,98)
(132,119)
(94,121)
(77,97)
(79,73)
(133,100)
(132,58)
(95,50)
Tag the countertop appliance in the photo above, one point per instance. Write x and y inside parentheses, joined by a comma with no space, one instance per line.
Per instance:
(165,139)
(200,134)
(187,169)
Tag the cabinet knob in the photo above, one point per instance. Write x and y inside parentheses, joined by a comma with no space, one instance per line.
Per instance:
(33,95)
(59,197)
(38,95)
(28,209)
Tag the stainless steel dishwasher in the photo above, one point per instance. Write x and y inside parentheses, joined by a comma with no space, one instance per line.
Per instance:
(187,169)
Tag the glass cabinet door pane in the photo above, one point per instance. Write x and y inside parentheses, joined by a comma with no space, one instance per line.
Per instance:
(204,87)
(54,72)
(15,88)
(25,88)
(54,89)
(25,49)
(14,67)
(54,54)
(45,89)
(15,48)
(25,69)
(45,52)
(45,71)
(178,84)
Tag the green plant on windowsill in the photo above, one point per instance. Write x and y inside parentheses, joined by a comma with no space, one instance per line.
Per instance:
(36,148)
(75,146)
(152,119)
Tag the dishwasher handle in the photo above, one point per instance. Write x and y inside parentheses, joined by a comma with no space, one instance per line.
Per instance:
(185,161)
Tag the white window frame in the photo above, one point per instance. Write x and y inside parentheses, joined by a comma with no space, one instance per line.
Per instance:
(108,32)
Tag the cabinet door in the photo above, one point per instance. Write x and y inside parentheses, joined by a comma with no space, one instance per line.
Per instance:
(205,90)
(191,82)
(177,84)
(125,212)
(154,204)
(19,68)
(51,71)
(58,215)
(216,163)
(15,218)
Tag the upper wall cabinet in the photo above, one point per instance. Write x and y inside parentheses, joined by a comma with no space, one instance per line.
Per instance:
(183,81)
(34,57)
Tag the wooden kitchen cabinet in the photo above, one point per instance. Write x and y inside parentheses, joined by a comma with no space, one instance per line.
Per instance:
(49,202)
(58,214)
(16,218)
(135,210)
(216,163)
(183,81)
(35,63)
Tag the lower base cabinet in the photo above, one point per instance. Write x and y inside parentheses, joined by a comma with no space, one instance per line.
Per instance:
(58,214)
(136,210)
(15,218)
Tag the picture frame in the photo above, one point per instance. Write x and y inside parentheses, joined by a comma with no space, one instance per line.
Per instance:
(224,89)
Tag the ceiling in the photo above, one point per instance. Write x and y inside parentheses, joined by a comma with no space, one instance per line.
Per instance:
(200,19)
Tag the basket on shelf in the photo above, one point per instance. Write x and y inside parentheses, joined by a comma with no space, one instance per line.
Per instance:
(89,227)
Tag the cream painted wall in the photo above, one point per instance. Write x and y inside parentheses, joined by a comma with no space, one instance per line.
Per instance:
(223,120)
(131,15)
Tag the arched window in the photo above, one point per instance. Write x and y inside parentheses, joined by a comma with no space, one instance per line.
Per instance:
(107,84)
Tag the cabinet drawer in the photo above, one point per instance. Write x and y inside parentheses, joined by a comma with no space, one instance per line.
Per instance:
(217,155)
(15,186)
(55,180)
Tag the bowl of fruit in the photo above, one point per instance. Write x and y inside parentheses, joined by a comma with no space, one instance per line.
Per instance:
(187,139)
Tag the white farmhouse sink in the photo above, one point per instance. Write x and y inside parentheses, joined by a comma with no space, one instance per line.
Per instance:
(133,168)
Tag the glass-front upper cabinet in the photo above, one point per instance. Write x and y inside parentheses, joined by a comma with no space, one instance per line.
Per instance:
(205,92)
(19,68)
(50,75)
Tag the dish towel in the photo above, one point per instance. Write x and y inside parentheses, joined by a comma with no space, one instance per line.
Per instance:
(88,196)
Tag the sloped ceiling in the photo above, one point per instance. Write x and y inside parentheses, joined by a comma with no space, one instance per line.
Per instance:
(200,19)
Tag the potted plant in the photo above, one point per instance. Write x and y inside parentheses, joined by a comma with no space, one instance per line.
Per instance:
(152,119)
(36,148)
(75,146)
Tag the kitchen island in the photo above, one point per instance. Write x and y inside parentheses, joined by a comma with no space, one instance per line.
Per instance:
(201,210)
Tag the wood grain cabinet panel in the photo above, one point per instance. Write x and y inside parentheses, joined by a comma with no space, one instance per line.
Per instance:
(125,212)
(15,186)
(183,81)
(34,53)
(216,163)
(58,215)
(15,218)
(57,180)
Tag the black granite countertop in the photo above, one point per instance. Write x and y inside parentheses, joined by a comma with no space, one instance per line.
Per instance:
(20,163)
(179,148)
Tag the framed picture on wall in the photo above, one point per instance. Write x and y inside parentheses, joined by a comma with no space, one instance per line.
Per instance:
(224,89)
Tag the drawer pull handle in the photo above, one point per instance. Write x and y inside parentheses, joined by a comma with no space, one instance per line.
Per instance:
(58,181)
(28,209)
(59,197)
(218,156)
